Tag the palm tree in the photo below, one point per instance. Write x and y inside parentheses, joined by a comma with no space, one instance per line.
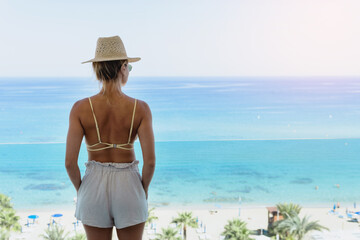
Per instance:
(5,201)
(236,230)
(291,209)
(8,220)
(78,236)
(168,233)
(287,238)
(54,233)
(151,218)
(186,220)
(293,226)
(285,210)
(4,234)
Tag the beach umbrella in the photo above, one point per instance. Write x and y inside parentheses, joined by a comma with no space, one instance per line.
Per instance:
(33,217)
(74,226)
(334,206)
(56,215)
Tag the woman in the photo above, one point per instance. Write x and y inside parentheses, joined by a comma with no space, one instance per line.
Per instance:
(112,192)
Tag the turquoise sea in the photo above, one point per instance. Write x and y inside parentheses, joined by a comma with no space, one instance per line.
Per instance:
(267,140)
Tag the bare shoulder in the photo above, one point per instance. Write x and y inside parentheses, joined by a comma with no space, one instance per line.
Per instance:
(143,110)
(80,105)
(143,107)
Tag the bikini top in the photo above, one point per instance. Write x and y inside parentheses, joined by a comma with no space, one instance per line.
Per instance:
(111,145)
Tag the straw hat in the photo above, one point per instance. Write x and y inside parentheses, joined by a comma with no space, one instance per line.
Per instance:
(111,48)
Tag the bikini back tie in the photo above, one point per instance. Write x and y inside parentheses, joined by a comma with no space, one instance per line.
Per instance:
(111,145)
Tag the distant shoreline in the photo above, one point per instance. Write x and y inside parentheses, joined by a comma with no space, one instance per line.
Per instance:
(215,206)
(209,140)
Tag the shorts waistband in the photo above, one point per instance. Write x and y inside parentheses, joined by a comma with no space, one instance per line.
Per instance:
(113,166)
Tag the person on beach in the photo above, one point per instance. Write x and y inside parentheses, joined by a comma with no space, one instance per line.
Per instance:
(112,192)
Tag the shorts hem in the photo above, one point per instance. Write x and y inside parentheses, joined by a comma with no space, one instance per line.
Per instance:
(95,225)
(131,224)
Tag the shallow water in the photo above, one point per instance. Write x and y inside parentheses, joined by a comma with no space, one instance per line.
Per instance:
(196,122)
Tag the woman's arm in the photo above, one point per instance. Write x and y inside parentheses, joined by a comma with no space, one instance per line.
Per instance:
(146,137)
(73,144)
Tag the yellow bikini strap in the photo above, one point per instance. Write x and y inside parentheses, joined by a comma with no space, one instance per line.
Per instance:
(132,122)
(97,128)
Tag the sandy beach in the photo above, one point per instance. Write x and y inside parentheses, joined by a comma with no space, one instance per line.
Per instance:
(214,222)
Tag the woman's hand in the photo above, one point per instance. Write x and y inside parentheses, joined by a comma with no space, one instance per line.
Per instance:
(146,193)
(77,189)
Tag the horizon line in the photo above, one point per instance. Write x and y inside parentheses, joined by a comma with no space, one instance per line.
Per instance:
(254,76)
(209,140)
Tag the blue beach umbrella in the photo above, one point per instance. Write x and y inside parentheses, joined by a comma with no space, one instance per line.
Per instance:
(76,224)
(57,215)
(334,206)
(33,217)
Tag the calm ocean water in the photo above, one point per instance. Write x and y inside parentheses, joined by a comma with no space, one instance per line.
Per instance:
(216,139)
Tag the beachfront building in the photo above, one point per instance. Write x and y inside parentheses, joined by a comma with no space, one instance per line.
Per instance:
(273,215)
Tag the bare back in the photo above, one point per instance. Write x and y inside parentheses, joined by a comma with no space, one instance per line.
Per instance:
(114,122)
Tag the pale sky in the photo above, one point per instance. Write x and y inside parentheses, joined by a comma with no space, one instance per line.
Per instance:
(183,38)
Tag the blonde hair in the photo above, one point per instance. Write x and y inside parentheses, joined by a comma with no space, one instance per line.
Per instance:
(107,73)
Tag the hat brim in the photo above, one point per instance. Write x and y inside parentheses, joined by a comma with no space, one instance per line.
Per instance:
(134,59)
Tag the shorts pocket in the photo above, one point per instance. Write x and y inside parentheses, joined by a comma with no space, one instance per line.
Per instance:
(87,172)
(141,185)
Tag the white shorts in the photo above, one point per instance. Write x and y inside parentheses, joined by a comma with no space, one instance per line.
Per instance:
(111,194)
